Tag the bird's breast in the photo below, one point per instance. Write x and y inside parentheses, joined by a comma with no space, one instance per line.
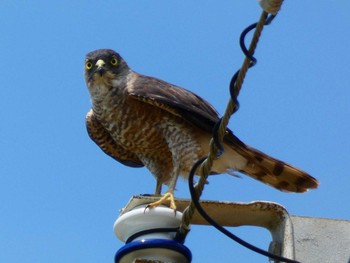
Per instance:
(153,134)
(134,125)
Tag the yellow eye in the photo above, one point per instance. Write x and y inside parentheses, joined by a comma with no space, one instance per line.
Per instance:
(114,61)
(88,65)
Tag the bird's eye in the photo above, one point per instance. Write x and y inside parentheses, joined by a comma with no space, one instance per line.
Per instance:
(114,61)
(88,65)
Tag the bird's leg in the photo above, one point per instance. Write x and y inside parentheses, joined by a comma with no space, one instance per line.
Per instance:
(158,187)
(169,195)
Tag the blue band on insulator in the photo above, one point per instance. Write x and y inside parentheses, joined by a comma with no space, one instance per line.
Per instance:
(161,244)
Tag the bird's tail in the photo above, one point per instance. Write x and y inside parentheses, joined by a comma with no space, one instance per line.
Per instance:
(269,170)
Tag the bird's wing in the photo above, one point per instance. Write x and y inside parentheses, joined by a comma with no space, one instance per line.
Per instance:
(199,112)
(182,103)
(175,100)
(103,139)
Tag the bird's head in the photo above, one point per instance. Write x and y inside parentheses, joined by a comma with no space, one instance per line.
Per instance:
(102,66)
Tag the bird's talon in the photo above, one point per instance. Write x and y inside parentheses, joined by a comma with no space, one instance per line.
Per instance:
(167,197)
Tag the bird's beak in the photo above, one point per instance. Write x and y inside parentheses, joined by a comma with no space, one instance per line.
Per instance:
(100,66)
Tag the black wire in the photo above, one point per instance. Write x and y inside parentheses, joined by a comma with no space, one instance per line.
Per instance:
(232,92)
(244,48)
(216,139)
(269,19)
(223,230)
(194,196)
(253,61)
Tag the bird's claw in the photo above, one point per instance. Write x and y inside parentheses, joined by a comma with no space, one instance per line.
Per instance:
(168,197)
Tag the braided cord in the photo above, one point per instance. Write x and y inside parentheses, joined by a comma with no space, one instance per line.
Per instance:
(206,163)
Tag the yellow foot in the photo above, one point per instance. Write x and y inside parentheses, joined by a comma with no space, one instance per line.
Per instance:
(167,197)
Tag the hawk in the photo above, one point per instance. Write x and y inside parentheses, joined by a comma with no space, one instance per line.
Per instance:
(144,121)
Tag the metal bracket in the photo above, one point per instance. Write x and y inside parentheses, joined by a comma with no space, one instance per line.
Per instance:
(306,239)
(271,216)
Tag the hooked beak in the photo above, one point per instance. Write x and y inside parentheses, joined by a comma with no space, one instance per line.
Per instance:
(100,67)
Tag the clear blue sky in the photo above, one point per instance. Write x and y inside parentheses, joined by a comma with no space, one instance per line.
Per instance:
(60,195)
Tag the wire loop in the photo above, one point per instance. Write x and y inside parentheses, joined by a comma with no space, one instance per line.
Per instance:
(216,145)
(216,139)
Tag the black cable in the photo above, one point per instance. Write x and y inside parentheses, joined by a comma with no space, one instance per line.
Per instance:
(223,230)
(246,52)
(220,147)
(250,56)
(232,92)
(216,140)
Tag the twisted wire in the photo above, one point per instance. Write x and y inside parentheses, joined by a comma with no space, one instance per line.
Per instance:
(205,164)
(216,143)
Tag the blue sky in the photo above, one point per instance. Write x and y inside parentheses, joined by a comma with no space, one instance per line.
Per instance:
(60,195)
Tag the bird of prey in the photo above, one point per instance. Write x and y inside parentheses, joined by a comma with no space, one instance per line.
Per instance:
(144,121)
